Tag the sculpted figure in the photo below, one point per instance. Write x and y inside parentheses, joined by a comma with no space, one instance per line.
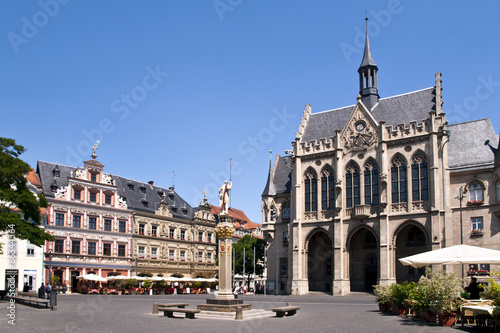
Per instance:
(224,197)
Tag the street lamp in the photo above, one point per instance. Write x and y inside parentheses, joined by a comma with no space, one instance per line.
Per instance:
(50,266)
(461,198)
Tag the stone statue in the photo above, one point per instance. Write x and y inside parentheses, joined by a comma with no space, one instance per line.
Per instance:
(94,148)
(224,197)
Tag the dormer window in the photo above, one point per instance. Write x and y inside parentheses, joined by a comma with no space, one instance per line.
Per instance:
(143,190)
(53,188)
(56,172)
(184,211)
(145,204)
(171,197)
(130,187)
(160,194)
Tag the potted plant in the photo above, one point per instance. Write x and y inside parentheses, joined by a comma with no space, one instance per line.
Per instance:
(131,284)
(147,284)
(441,293)
(400,293)
(383,294)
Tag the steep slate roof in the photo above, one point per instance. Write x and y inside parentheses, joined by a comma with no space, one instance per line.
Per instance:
(153,196)
(280,178)
(466,148)
(395,110)
(178,206)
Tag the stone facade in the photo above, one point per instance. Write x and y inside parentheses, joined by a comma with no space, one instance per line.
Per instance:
(370,183)
(90,221)
(110,225)
(169,246)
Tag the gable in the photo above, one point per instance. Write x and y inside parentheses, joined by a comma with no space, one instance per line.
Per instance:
(360,132)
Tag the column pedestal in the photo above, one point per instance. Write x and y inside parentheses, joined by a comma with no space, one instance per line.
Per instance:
(224,301)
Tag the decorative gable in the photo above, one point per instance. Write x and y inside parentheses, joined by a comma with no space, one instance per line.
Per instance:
(360,132)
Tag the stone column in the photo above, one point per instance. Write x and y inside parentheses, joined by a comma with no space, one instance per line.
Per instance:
(225,231)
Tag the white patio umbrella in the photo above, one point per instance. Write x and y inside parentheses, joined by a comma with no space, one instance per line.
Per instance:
(457,254)
(92,277)
(117,277)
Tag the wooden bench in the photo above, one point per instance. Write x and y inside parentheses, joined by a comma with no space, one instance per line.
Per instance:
(30,298)
(289,310)
(169,312)
(156,306)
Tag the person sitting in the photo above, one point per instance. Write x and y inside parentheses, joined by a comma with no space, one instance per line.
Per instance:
(474,288)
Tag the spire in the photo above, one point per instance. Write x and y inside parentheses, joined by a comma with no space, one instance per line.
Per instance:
(269,189)
(368,76)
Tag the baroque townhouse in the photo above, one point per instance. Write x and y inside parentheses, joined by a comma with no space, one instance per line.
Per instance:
(89,219)
(110,225)
(376,181)
(170,237)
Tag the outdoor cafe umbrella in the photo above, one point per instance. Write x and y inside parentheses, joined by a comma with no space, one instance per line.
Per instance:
(457,254)
(92,277)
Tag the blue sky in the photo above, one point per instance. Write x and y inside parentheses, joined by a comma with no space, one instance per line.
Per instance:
(184,86)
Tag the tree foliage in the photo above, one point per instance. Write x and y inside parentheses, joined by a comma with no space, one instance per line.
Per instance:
(249,243)
(19,207)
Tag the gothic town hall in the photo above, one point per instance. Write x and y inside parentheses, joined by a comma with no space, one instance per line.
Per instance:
(367,184)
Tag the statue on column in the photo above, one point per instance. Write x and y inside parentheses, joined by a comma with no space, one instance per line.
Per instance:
(224,197)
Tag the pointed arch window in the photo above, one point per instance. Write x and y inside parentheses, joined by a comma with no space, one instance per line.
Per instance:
(399,180)
(352,185)
(327,190)
(371,184)
(311,191)
(419,178)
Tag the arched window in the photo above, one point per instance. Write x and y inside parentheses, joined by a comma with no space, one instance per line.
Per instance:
(266,214)
(352,185)
(327,190)
(476,191)
(311,191)
(371,183)
(419,178)
(398,180)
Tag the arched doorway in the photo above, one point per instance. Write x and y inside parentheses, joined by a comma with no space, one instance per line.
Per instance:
(320,262)
(363,260)
(410,240)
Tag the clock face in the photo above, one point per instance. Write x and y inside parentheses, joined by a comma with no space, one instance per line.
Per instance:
(360,125)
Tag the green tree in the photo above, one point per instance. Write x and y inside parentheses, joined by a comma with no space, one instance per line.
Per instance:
(19,207)
(249,243)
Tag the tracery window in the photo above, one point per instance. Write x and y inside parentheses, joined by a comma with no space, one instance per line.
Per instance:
(311,191)
(327,189)
(419,178)
(371,183)
(352,185)
(399,180)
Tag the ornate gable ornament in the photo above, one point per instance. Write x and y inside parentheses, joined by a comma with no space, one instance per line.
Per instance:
(163,209)
(359,134)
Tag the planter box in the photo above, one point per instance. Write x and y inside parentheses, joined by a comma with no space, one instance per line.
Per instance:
(426,316)
(398,310)
(446,319)
(384,307)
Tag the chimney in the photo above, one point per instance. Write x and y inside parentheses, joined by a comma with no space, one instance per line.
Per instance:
(151,183)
